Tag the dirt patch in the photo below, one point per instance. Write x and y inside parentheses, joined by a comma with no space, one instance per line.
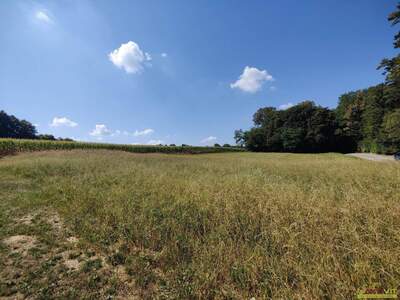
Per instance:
(71,260)
(73,240)
(17,296)
(55,221)
(121,273)
(26,220)
(20,243)
(72,264)
(52,259)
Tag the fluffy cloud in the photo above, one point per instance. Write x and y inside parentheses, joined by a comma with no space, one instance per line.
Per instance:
(208,140)
(63,121)
(43,16)
(100,131)
(164,54)
(285,106)
(129,57)
(155,142)
(251,80)
(143,132)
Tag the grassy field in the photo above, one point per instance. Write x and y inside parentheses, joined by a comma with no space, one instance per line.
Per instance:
(94,224)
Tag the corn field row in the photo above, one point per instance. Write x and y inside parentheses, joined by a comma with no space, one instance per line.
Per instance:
(11,146)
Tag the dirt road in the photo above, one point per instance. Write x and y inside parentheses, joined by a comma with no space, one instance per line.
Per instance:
(373,156)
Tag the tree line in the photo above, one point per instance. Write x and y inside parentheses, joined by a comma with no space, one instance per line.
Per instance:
(366,120)
(12,127)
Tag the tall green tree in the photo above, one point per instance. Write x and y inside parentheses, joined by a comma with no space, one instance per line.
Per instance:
(304,127)
(12,127)
(391,130)
(391,68)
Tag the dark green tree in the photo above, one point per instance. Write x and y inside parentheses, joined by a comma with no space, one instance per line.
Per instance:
(391,68)
(12,127)
(391,130)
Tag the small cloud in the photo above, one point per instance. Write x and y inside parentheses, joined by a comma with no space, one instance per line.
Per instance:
(208,140)
(251,80)
(143,132)
(116,133)
(285,106)
(43,16)
(164,54)
(129,57)
(155,142)
(100,131)
(63,121)
(272,88)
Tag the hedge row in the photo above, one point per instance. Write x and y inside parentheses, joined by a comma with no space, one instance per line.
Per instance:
(10,146)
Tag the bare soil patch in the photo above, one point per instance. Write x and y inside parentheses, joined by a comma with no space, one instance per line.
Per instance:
(61,267)
(20,243)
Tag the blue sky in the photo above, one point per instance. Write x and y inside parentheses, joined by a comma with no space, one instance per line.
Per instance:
(181,71)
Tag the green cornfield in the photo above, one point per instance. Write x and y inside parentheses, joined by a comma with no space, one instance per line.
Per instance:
(10,146)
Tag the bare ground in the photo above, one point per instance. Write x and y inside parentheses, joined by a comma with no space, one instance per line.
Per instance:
(41,259)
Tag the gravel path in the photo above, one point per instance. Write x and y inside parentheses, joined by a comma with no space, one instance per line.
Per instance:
(373,156)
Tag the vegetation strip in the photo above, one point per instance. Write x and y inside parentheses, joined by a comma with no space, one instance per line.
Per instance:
(10,146)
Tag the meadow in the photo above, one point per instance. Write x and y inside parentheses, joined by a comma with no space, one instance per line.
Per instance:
(211,226)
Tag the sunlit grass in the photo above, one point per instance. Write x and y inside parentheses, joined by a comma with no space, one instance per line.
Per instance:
(233,225)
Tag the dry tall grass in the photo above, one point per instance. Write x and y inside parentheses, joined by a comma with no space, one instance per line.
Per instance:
(235,225)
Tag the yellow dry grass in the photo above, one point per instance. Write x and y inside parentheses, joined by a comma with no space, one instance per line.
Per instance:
(232,225)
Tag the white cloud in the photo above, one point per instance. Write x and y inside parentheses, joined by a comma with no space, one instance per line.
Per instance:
(137,133)
(143,132)
(129,57)
(251,80)
(272,88)
(43,16)
(208,140)
(164,54)
(155,142)
(63,121)
(285,106)
(100,131)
